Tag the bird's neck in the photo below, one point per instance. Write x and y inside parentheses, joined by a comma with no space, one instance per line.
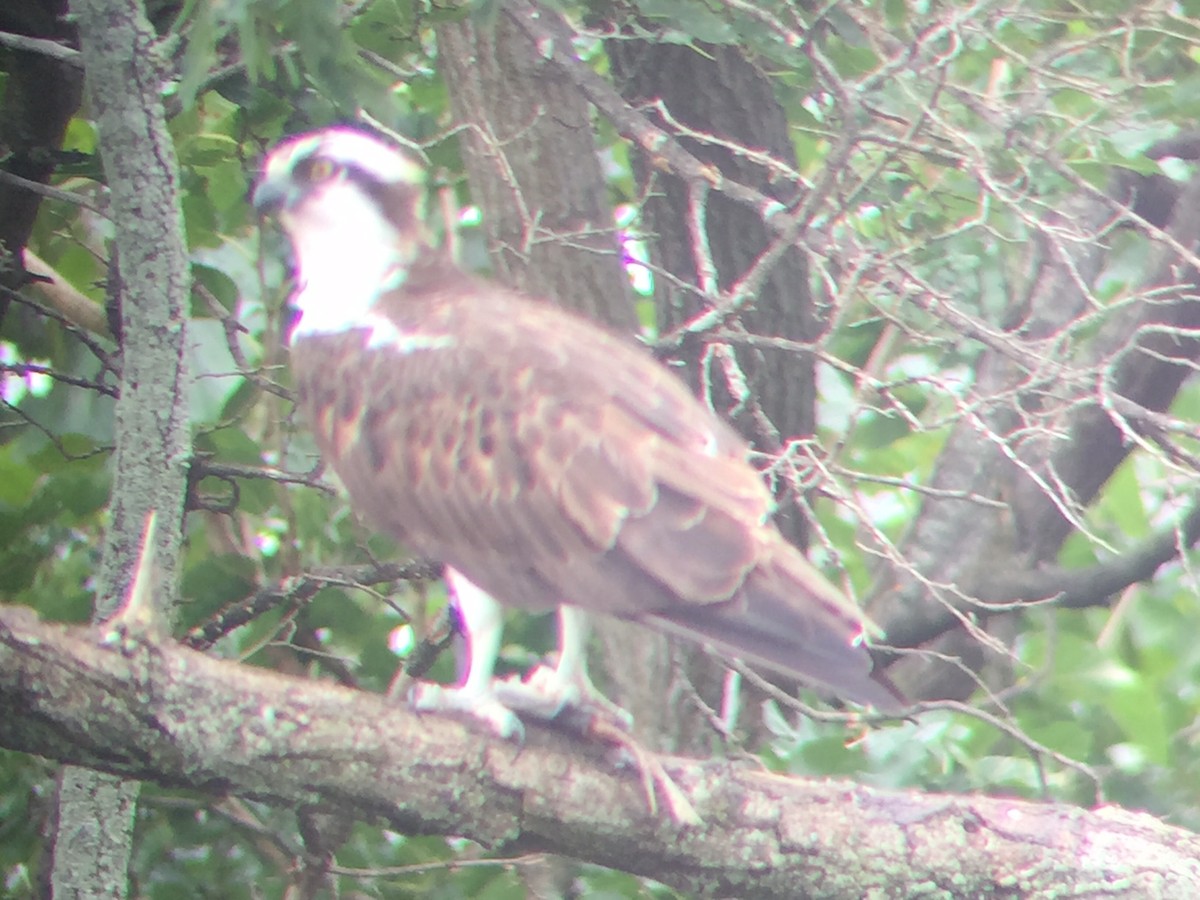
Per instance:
(342,272)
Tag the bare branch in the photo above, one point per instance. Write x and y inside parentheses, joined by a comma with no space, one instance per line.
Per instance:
(52,49)
(297,591)
(160,712)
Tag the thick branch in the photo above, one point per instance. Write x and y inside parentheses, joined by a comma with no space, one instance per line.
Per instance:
(52,49)
(1147,353)
(1067,588)
(153,287)
(1141,356)
(65,298)
(93,835)
(158,711)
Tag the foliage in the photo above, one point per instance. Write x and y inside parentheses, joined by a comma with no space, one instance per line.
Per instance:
(935,141)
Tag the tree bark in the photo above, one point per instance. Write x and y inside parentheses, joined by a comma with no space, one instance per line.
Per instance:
(40,97)
(534,171)
(94,829)
(120,702)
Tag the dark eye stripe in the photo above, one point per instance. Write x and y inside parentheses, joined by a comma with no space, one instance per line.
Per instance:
(316,168)
(396,201)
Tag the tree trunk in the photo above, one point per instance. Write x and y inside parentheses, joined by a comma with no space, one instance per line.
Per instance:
(40,97)
(93,838)
(714,91)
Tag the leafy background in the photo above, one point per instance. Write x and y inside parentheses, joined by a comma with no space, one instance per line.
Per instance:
(956,166)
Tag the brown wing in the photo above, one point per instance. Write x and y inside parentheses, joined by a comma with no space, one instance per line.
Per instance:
(552,462)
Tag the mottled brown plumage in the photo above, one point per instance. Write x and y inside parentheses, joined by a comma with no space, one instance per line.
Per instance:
(543,458)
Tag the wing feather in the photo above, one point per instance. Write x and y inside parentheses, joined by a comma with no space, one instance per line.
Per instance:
(549,461)
(702,554)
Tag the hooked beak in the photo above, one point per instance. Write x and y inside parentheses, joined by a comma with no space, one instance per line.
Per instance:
(270,196)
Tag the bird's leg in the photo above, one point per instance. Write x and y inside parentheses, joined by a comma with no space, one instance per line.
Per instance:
(565,689)
(483,628)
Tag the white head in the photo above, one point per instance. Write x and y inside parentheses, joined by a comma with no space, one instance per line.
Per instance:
(351,206)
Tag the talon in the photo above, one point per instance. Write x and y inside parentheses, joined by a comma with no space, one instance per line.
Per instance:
(482,706)
(550,695)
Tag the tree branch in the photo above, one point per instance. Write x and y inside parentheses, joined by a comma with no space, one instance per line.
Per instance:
(52,49)
(150,285)
(1094,585)
(296,591)
(100,697)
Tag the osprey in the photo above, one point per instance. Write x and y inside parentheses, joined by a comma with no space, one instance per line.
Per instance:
(545,461)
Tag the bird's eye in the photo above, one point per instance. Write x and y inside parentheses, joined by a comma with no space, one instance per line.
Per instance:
(320,169)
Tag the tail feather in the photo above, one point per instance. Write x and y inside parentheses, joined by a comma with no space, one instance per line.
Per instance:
(789,618)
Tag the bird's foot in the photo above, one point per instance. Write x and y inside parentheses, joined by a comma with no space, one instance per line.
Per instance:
(545,693)
(482,705)
(568,701)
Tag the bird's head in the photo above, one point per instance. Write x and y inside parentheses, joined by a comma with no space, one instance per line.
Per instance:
(352,207)
(308,170)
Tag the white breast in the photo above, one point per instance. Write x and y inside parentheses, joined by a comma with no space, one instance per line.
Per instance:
(346,257)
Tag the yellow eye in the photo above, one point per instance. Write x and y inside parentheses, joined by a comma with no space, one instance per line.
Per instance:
(320,169)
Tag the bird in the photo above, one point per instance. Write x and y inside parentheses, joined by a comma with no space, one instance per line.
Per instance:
(547,462)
